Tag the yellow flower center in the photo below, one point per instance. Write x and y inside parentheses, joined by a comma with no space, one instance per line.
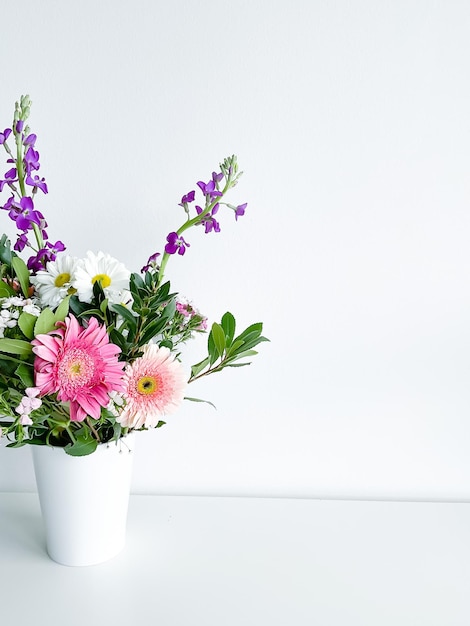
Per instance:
(147,385)
(62,279)
(103,279)
(75,369)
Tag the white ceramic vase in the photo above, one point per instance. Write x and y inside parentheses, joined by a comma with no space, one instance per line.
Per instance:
(84,501)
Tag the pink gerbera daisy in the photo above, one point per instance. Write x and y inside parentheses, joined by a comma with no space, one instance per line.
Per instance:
(80,365)
(154,386)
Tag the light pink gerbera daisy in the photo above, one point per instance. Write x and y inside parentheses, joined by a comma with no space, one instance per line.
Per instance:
(154,386)
(80,365)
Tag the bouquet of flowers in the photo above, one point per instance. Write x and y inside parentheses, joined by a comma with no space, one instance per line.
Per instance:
(88,350)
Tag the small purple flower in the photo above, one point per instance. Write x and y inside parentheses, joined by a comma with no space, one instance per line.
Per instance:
(35,181)
(151,263)
(4,136)
(55,248)
(176,244)
(189,197)
(10,178)
(217,177)
(209,189)
(31,159)
(39,261)
(240,210)
(23,213)
(19,126)
(21,242)
(210,224)
(35,262)
(30,140)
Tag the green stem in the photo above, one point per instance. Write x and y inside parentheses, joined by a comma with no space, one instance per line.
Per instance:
(188,224)
(93,430)
(70,434)
(211,370)
(19,162)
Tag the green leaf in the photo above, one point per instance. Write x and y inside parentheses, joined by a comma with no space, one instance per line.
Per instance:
(256,329)
(25,374)
(5,250)
(218,335)
(116,338)
(152,329)
(197,369)
(238,343)
(77,307)
(254,342)
(22,273)
(16,444)
(242,355)
(26,322)
(211,349)
(104,306)
(126,314)
(83,446)
(237,364)
(228,324)
(199,400)
(62,310)
(45,322)
(15,346)
(5,290)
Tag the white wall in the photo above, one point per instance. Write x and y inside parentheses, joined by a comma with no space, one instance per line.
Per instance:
(351,122)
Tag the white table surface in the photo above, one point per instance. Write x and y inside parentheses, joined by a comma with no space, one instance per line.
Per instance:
(247,561)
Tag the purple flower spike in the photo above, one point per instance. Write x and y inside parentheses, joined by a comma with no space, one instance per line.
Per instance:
(4,136)
(35,181)
(240,210)
(176,244)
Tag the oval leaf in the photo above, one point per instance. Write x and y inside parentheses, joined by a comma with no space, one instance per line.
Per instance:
(45,322)
(22,274)
(62,310)
(219,338)
(228,324)
(15,346)
(26,322)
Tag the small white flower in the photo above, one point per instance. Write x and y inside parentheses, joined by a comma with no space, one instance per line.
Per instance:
(109,272)
(55,282)
(12,301)
(28,403)
(8,319)
(116,402)
(30,307)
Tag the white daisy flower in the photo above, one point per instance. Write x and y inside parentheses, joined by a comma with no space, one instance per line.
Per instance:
(55,282)
(109,272)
